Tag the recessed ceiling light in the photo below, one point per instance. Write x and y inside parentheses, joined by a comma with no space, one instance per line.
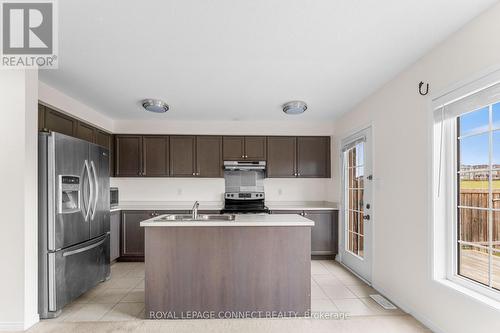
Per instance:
(155,105)
(294,107)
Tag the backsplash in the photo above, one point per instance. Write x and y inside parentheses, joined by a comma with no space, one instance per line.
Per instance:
(212,189)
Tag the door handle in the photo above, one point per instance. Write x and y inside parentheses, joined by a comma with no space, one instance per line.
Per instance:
(83,249)
(96,182)
(91,186)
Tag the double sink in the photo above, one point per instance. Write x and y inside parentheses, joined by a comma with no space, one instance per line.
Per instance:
(199,217)
(194,216)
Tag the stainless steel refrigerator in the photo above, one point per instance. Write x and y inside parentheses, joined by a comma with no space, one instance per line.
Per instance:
(73,219)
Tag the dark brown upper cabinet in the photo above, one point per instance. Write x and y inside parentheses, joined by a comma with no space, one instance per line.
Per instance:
(313,156)
(41,117)
(281,156)
(289,157)
(209,156)
(106,140)
(244,148)
(58,122)
(155,156)
(182,156)
(85,131)
(128,155)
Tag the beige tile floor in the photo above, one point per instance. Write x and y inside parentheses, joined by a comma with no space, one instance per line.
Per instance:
(333,289)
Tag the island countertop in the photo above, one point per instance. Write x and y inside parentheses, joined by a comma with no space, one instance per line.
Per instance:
(241,220)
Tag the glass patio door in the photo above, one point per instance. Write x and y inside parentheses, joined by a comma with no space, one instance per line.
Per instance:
(357,204)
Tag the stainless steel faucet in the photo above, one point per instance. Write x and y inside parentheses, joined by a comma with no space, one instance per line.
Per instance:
(195,210)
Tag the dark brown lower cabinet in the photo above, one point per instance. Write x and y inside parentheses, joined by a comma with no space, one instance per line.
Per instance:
(115,226)
(324,234)
(132,246)
(132,234)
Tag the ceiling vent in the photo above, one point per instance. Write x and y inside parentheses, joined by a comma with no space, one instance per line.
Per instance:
(155,105)
(295,107)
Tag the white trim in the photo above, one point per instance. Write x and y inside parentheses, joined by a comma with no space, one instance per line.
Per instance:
(460,89)
(34,320)
(408,309)
(354,136)
(442,212)
(12,326)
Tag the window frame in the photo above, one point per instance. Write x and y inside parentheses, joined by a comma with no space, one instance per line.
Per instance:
(450,169)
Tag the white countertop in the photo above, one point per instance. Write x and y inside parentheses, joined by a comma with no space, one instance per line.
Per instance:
(241,220)
(213,205)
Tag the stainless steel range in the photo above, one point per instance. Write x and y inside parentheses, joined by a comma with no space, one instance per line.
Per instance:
(244,182)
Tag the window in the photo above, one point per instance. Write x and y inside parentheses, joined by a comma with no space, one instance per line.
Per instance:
(354,174)
(467,193)
(478,201)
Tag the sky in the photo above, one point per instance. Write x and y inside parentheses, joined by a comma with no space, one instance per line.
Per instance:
(474,149)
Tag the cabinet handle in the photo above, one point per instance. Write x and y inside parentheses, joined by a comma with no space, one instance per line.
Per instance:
(194,173)
(305,214)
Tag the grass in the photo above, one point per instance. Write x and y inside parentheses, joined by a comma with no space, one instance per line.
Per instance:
(478,184)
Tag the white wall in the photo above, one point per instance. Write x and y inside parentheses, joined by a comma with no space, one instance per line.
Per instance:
(59,101)
(18,199)
(189,189)
(399,115)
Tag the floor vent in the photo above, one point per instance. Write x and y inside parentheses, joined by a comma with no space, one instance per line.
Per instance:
(383,302)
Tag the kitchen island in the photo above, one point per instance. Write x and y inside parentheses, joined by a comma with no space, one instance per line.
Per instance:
(257,265)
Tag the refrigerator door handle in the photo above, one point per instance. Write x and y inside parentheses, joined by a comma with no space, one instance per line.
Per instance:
(86,248)
(96,194)
(91,186)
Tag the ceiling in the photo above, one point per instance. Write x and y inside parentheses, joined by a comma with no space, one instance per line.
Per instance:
(242,59)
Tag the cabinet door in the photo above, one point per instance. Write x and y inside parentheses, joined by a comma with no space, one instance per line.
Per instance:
(128,155)
(58,122)
(323,233)
(255,148)
(106,140)
(233,148)
(41,117)
(85,132)
(114,226)
(281,156)
(132,233)
(209,156)
(313,157)
(182,156)
(155,156)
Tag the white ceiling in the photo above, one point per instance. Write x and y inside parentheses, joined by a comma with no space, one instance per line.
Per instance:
(242,59)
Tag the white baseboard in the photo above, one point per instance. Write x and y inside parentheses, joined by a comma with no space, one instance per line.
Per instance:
(19,326)
(34,320)
(408,309)
(14,326)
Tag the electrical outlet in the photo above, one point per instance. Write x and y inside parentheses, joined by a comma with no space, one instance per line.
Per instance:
(179,191)
(280,191)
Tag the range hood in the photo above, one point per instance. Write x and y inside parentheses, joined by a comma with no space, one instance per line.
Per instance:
(244,165)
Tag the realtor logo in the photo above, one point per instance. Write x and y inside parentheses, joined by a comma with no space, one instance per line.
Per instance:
(28,34)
